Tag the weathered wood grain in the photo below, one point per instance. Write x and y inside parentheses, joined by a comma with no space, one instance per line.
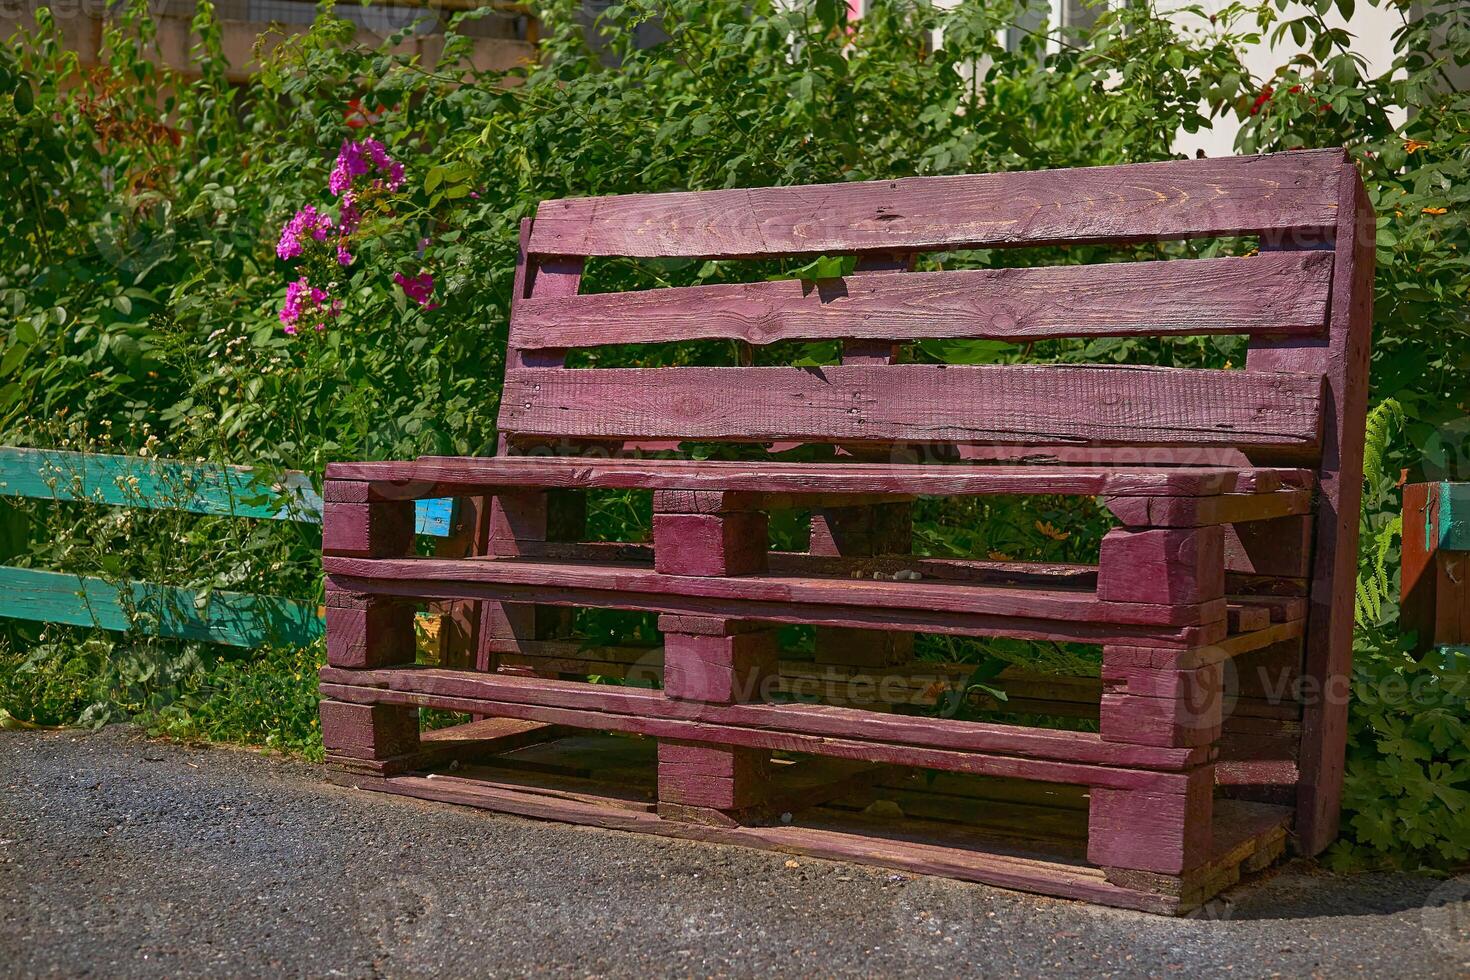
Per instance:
(920,403)
(1162,565)
(720,668)
(462,474)
(368,731)
(1144,831)
(1342,359)
(1284,192)
(379,635)
(1276,293)
(824,721)
(375,530)
(859,616)
(1225,508)
(1061,603)
(699,728)
(228,618)
(709,544)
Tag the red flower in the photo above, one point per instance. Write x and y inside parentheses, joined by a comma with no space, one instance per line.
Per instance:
(1265,96)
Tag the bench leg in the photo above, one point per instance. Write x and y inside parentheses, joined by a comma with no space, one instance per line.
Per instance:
(1167,833)
(862,532)
(373,739)
(713,661)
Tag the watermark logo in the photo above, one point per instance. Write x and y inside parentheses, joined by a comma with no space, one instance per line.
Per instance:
(1446,917)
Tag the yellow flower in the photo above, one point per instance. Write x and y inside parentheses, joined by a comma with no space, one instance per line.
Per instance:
(1045,528)
(1414,146)
(1434,210)
(999,556)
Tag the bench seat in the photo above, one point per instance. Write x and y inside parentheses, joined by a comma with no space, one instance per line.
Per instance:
(394,480)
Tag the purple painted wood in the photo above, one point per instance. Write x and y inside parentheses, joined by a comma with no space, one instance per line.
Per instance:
(822,721)
(377,530)
(1165,832)
(1342,358)
(1207,568)
(1184,565)
(1291,194)
(920,403)
(435,475)
(1271,294)
(936,597)
(701,729)
(380,635)
(709,544)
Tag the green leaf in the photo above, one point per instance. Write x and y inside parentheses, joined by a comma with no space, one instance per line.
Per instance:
(25,97)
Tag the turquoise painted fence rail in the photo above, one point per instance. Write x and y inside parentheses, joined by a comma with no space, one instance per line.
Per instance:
(229,618)
(170,484)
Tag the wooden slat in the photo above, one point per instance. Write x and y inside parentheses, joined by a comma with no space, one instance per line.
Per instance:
(169,484)
(433,474)
(1082,748)
(662,600)
(1284,192)
(228,618)
(1274,293)
(920,403)
(964,598)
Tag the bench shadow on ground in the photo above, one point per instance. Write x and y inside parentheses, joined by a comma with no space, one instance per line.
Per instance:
(1303,889)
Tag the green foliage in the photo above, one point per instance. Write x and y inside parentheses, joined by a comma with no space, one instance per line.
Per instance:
(1408,763)
(1382,524)
(140,291)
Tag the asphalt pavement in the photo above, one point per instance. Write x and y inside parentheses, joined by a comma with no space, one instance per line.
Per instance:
(123,857)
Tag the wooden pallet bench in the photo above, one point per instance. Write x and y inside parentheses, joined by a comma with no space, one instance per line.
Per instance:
(1221,600)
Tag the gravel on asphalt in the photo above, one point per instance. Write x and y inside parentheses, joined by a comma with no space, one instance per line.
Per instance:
(121,856)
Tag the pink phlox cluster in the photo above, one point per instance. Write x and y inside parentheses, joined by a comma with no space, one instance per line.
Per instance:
(306,223)
(419,288)
(305,303)
(357,158)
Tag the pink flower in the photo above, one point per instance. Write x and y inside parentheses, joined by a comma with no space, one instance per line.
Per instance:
(306,302)
(344,257)
(351,162)
(350,217)
(307,221)
(419,288)
(356,158)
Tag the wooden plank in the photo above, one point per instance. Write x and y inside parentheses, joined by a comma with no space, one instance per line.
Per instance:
(1342,358)
(227,618)
(1225,508)
(700,728)
(169,484)
(1083,748)
(1284,192)
(663,600)
(484,474)
(1275,293)
(920,403)
(944,852)
(951,597)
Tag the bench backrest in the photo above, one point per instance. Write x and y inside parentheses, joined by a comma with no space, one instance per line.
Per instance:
(1295,300)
